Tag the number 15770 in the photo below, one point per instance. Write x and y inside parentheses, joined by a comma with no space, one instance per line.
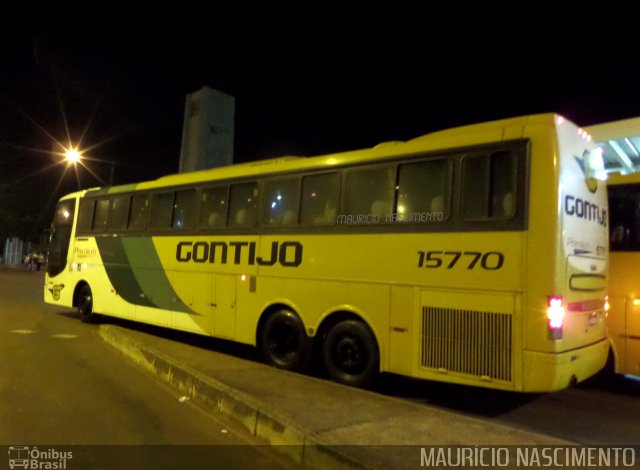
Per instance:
(490,260)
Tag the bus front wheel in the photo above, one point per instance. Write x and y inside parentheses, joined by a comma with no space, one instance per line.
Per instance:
(283,341)
(350,353)
(85,305)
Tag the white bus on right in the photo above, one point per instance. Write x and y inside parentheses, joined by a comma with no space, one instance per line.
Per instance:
(623,321)
(620,142)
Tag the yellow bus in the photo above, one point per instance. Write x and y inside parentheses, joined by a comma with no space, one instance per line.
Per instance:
(624,287)
(475,255)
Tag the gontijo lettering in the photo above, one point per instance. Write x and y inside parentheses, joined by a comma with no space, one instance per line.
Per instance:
(583,209)
(285,253)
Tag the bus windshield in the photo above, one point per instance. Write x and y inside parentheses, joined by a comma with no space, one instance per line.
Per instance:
(60,237)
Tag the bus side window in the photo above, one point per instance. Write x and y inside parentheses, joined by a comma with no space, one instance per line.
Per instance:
(213,207)
(119,213)
(371,192)
(85,215)
(100,215)
(184,209)
(320,196)
(489,186)
(423,188)
(139,212)
(243,205)
(281,202)
(161,210)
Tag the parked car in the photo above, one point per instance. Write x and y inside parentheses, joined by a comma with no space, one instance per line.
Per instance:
(35,260)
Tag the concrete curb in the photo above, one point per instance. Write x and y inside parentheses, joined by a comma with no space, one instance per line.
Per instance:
(300,446)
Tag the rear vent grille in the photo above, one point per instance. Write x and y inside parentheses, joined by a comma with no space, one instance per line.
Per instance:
(467,341)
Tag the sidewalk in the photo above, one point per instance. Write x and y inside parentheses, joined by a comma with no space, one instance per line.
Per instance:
(22,267)
(316,423)
(14,267)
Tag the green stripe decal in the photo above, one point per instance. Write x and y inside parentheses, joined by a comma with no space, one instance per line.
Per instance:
(119,272)
(135,271)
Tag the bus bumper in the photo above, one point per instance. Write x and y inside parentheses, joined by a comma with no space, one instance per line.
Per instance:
(548,372)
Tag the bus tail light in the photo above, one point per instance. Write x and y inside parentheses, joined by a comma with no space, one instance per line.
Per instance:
(555,317)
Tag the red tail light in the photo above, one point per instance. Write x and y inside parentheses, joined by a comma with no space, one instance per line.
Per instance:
(555,316)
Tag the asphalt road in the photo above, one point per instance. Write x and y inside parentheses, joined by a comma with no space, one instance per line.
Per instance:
(61,385)
(603,410)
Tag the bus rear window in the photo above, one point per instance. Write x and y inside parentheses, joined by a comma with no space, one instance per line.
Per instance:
(489,186)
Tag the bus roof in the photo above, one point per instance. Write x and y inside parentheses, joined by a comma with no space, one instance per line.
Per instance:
(615,179)
(79,193)
(473,134)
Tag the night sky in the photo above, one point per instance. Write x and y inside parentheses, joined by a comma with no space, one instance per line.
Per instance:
(306,81)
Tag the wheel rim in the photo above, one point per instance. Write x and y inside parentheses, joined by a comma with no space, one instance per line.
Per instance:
(85,304)
(284,343)
(350,355)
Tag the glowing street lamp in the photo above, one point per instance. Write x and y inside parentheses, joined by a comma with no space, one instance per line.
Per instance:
(72,155)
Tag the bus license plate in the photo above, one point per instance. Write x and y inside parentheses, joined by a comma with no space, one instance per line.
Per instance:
(594,318)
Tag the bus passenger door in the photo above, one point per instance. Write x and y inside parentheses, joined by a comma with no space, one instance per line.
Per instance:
(224,321)
(619,307)
(193,302)
(632,338)
(156,297)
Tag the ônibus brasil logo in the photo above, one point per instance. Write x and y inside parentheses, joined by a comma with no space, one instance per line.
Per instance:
(34,458)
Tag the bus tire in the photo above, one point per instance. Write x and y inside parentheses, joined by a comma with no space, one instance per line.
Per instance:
(350,353)
(85,305)
(284,342)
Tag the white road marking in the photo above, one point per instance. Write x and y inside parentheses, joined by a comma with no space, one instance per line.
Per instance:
(23,332)
(64,336)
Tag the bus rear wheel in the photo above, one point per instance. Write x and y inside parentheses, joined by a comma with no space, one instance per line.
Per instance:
(284,342)
(85,305)
(350,353)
